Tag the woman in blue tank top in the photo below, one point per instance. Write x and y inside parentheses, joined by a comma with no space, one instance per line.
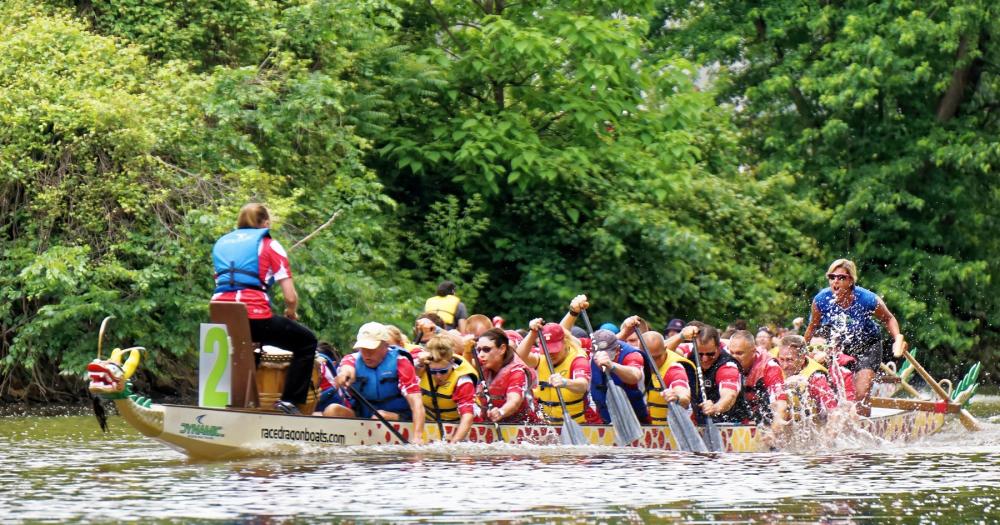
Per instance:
(848,313)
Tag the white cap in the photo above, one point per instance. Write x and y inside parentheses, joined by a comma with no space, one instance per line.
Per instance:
(371,335)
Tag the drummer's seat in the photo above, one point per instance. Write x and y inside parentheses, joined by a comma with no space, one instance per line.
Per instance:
(243,378)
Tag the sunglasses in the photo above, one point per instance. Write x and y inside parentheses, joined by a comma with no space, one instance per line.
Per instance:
(708,354)
(484,349)
(837,277)
(439,371)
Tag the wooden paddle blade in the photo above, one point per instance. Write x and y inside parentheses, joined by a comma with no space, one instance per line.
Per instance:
(683,430)
(713,436)
(572,432)
(623,420)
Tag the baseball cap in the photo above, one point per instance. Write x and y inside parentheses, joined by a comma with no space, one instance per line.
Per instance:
(605,341)
(553,334)
(610,327)
(371,335)
(675,325)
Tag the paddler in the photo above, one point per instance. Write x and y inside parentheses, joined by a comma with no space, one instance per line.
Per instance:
(678,374)
(625,366)
(448,385)
(509,380)
(623,362)
(386,378)
(247,263)
(723,381)
(571,374)
(806,379)
(448,306)
(848,312)
(763,383)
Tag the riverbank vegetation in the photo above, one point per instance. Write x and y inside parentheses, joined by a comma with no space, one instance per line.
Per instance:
(669,159)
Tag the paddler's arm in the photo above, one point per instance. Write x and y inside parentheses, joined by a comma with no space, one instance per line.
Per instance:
(727,398)
(813,322)
(523,350)
(580,385)
(892,325)
(416,403)
(629,373)
(518,384)
(345,375)
(779,410)
(678,393)
(462,430)
(510,406)
(687,333)
(578,304)
(291,298)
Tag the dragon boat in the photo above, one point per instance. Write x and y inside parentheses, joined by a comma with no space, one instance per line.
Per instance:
(233,432)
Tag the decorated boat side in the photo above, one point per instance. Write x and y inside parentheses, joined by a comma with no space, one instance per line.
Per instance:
(223,433)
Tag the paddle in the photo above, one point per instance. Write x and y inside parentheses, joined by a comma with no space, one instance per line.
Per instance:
(713,437)
(357,395)
(572,432)
(970,422)
(486,388)
(681,426)
(623,419)
(434,400)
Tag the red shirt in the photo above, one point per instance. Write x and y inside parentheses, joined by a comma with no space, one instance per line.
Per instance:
(408,383)
(821,392)
(676,376)
(580,368)
(464,395)
(765,368)
(634,360)
(728,377)
(272,263)
(841,375)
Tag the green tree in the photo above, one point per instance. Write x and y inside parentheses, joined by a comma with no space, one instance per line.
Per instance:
(603,168)
(885,115)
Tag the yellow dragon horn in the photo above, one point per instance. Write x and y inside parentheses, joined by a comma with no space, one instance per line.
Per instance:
(116,356)
(100,335)
(132,362)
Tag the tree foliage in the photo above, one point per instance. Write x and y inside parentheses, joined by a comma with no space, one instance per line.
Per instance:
(885,114)
(527,150)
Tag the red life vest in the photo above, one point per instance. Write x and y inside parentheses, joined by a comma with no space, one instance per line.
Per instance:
(497,392)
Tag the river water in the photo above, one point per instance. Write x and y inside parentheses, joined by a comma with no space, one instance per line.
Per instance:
(63,469)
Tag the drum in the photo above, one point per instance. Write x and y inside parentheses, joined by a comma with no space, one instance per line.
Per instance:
(271,374)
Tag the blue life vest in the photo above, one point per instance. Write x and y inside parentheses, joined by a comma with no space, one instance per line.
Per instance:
(599,388)
(380,385)
(235,256)
(856,320)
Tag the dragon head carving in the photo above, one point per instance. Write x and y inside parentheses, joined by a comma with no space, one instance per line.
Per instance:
(109,377)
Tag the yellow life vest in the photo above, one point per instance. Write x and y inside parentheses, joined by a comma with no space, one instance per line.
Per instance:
(445,307)
(654,401)
(447,409)
(546,395)
(795,394)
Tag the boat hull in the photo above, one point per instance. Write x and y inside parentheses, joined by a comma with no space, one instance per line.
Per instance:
(208,433)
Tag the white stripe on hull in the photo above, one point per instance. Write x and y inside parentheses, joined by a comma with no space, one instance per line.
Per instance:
(217,434)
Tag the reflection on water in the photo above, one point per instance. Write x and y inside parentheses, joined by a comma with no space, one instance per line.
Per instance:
(63,468)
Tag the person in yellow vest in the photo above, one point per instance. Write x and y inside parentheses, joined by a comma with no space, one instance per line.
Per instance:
(446,305)
(571,374)
(807,382)
(677,372)
(448,384)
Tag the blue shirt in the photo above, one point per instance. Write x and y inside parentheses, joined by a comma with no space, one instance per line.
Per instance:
(855,320)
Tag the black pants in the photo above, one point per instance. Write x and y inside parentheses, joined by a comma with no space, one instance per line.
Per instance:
(300,341)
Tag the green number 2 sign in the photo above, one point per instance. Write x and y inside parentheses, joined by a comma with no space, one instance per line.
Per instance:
(213,366)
